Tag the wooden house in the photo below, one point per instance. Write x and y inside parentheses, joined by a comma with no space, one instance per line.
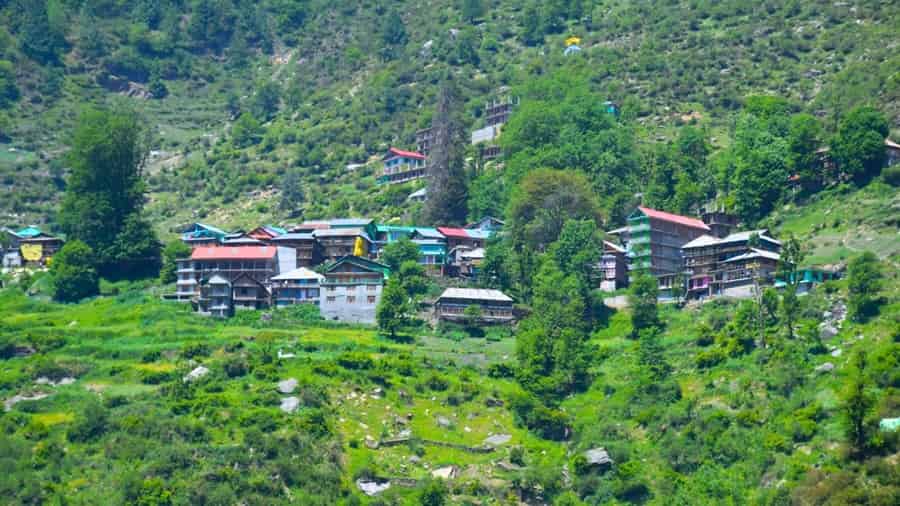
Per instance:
(215,297)
(461,237)
(248,293)
(613,268)
(352,289)
(309,251)
(493,305)
(432,249)
(266,233)
(710,271)
(424,140)
(340,242)
(258,262)
(807,278)
(300,286)
(401,166)
(366,224)
(387,234)
(655,239)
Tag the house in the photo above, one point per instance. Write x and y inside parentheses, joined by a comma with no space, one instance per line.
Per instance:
(424,140)
(34,246)
(308,227)
(432,249)
(401,166)
(613,267)
(199,234)
(466,262)
(719,222)
(488,224)
(248,293)
(891,153)
(743,274)
(367,224)
(461,237)
(240,239)
(655,239)
(340,242)
(299,286)
(266,233)
(808,277)
(709,270)
(228,262)
(496,114)
(215,297)
(309,251)
(493,305)
(352,289)
(420,195)
(387,234)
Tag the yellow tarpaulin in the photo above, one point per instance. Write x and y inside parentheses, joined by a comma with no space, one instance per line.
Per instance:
(32,252)
(573,41)
(359,248)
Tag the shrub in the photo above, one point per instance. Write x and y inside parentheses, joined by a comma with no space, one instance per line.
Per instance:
(892,175)
(355,360)
(236,367)
(711,358)
(90,425)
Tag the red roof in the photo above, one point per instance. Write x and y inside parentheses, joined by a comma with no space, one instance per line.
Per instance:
(406,154)
(456,233)
(674,218)
(233,253)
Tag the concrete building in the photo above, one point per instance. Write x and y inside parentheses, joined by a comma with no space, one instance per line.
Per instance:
(401,166)
(493,305)
(309,251)
(352,289)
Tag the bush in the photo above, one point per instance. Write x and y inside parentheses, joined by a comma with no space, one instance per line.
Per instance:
(74,273)
(711,358)
(355,360)
(892,175)
(236,367)
(90,425)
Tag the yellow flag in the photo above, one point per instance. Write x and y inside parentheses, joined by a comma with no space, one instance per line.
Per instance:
(359,248)
(32,252)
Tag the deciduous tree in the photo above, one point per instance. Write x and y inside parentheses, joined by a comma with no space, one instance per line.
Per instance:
(642,299)
(73,272)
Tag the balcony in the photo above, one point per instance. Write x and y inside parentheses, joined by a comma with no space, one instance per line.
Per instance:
(637,229)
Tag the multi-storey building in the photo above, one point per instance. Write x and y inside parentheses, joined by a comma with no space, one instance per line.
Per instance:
(309,251)
(300,286)
(493,305)
(351,290)
(655,239)
(340,242)
(425,140)
(402,166)
(613,267)
(258,262)
(496,114)
(719,266)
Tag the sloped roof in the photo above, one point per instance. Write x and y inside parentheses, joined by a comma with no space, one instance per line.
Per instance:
(294,236)
(234,253)
(217,280)
(350,222)
(475,253)
(301,273)
(341,232)
(479,234)
(312,225)
(394,228)
(242,241)
(407,154)
(365,263)
(755,253)
(205,227)
(703,240)
(475,294)
(429,233)
(708,240)
(615,246)
(455,232)
(29,232)
(421,192)
(891,144)
(674,218)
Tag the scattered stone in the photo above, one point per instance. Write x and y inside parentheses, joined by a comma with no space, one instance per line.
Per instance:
(371,443)
(287,386)
(827,330)
(444,422)
(405,433)
(414,459)
(12,401)
(493,403)
(598,457)
(826,367)
(467,429)
(377,393)
(372,487)
(47,381)
(497,439)
(836,353)
(286,355)
(445,473)
(196,374)
(73,323)
(508,466)
(290,404)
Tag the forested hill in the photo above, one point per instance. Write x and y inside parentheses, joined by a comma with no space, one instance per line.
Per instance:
(241,95)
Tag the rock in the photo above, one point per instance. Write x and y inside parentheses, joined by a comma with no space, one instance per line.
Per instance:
(12,401)
(445,473)
(371,443)
(444,422)
(196,374)
(497,439)
(286,355)
(827,330)
(508,466)
(414,459)
(598,457)
(827,315)
(65,381)
(290,404)
(493,403)
(377,393)
(372,487)
(405,433)
(467,429)
(287,386)
(836,353)
(826,367)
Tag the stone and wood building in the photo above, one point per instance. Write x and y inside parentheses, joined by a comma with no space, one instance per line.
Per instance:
(352,289)
(493,306)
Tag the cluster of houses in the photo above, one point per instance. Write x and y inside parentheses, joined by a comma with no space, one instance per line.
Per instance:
(701,257)
(28,247)
(330,263)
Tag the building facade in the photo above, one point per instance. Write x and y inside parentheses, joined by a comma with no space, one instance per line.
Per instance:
(352,289)
(613,267)
(493,305)
(300,286)
(401,166)
(258,262)
(337,243)
(710,270)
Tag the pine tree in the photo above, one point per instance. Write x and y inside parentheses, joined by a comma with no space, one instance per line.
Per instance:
(857,403)
(447,192)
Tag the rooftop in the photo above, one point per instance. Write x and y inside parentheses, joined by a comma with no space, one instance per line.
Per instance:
(755,253)
(294,236)
(406,154)
(475,294)
(674,218)
(234,253)
(455,232)
(341,232)
(708,240)
(301,273)
(350,222)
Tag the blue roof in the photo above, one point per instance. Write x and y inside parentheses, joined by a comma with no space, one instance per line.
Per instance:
(29,232)
(350,222)
(293,236)
(429,233)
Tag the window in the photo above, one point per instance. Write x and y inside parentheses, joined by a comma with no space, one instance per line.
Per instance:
(330,298)
(351,299)
(370,299)
(371,288)
(329,288)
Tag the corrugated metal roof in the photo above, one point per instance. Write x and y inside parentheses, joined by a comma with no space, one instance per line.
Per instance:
(301,273)
(475,294)
(479,234)
(756,253)
(350,222)
(294,236)
(708,240)
(233,253)
(407,154)
(674,218)
(341,232)
(429,233)
(703,240)
(455,232)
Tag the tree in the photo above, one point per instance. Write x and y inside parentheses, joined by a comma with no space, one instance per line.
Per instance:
(105,193)
(792,255)
(857,404)
(804,140)
(863,284)
(447,192)
(173,251)
(532,30)
(650,354)
(291,192)
(264,103)
(858,147)
(398,252)
(393,307)
(73,272)
(577,253)
(642,298)
(760,167)
(39,39)
(433,492)
(551,344)
(246,131)
(393,34)
(9,92)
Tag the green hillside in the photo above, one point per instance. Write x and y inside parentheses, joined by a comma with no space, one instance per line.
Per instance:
(335,84)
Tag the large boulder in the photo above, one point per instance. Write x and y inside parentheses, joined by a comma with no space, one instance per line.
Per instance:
(196,374)
(287,386)
(598,457)
(290,404)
